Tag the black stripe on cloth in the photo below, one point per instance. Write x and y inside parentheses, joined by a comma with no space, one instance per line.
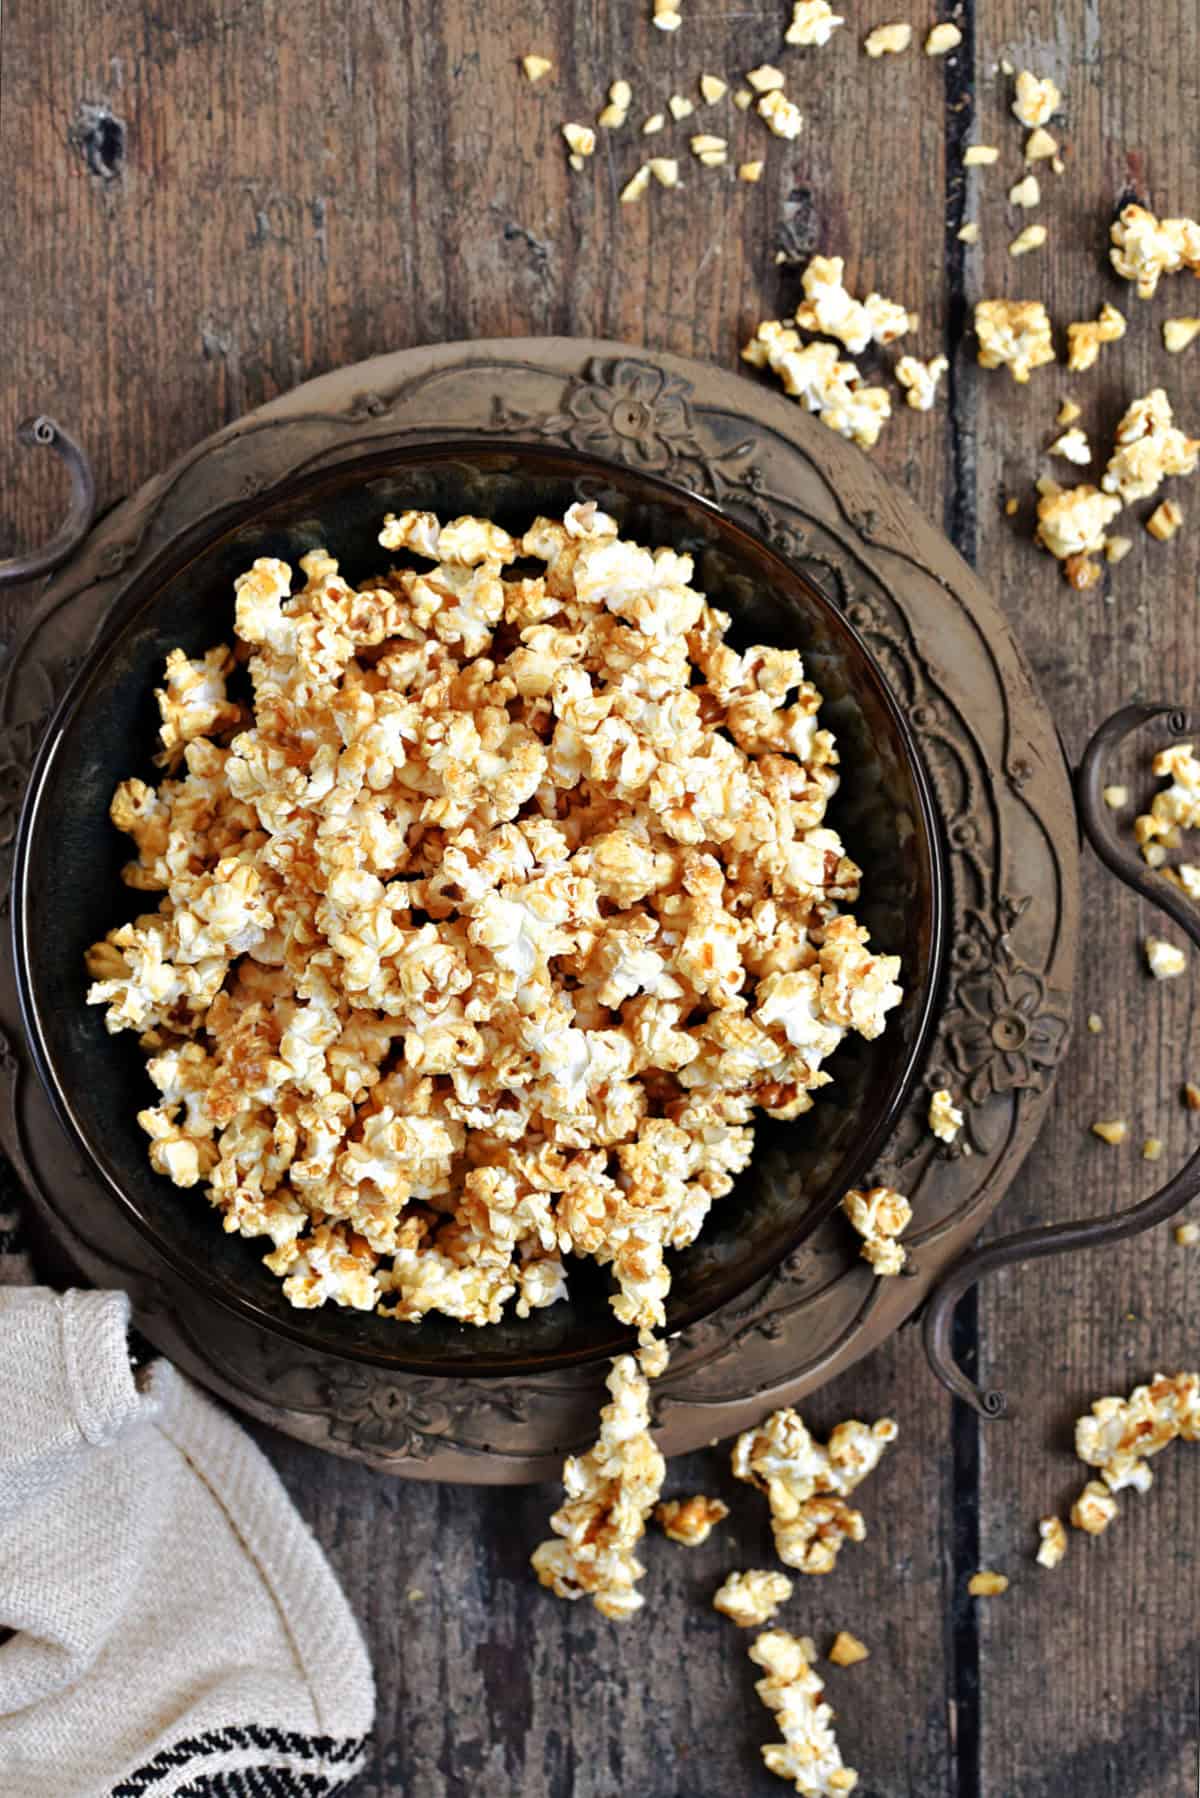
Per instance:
(332,1761)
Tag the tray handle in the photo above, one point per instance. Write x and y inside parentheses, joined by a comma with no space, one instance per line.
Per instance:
(45,433)
(1086,1233)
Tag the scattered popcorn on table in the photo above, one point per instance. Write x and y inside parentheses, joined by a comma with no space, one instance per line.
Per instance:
(986,1584)
(942,39)
(1053,1544)
(536,66)
(1165,520)
(813,23)
(1025,193)
(1164,960)
(945,1119)
(1071,525)
(1085,338)
(766,78)
(807,1483)
(1146,248)
(1174,808)
(921,380)
(813,374)
(1094,1509)
(809,1754)
(750,171)
(1187,1235)
(712,89)
(1119,1434)
(1036,101)
(847,1650)
(1178,333)
(751,1599)
(690,1521)
(680,108)
(1111,1130)
(1013,334)
(782,116)
(977,156)
(610,1492)
(830,309)
(1040,146)
(880,1216)
(581,139)
(1030,239)
(888,40)
(1074,446)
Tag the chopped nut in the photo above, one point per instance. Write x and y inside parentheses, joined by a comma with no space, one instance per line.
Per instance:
(1040,146)
(1095,1023)
(611,117)
(751,1599)
(808,1755)
(680,108)
(743,99)
(847,1650)
(813,22)
(1111,1130)
(1048,487)
(1116,797)
(1005,66)
(1187,1235)
(704,143)
(536,66)
(889,40)
(765,79)
(1068,412)
(942,39)
(665,170)
(1179,332)
(636,186)
(1031,238)
(750,171)
(1084,339)
(969,232)
(713,88)
(921,379)
(1011,507)
(1152,1149)
(667,15)
(1191,1095)
(1025,193)
(987,1584)
(1036,101)
(1054,1541)
(1094,1509)
(581,139)
(653,124)
(945,1120)
(1165,520)
(690,1521)
(980,156)
(1146,248)
(1164,960)
(782,116)
(1074,446)
(1117,548)
(576,161)
(1082,573)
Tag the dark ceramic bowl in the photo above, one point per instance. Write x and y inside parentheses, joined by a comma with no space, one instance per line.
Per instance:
(67,890)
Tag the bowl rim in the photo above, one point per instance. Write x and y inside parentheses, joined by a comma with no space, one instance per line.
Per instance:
(137,594)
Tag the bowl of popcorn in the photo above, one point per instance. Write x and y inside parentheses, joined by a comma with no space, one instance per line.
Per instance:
(476,906)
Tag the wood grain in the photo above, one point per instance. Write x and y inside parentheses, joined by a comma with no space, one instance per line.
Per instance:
(262,191)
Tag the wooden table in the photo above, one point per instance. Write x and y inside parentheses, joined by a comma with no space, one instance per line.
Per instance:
(209,202)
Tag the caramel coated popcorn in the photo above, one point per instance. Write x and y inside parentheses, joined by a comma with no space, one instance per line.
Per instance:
(1072,522)
(813,22)
(1175,807)
(1145,248)
(1013,334)
(752,1598)
(1052,1544)
(945,1119)
(921,380)
(807,1483)
(478,946)
(1036,101)
(809,1754)
(881,1215)
(1085,338)
(690,1521)
(828,308)
(1119,1435)
(813,374)
(1149,448)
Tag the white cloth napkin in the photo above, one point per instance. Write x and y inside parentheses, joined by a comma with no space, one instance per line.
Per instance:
(176,1628)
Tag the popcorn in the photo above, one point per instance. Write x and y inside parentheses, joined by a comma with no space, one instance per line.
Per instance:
(830,309)
(968,233)
(690,1521)
(1164,960)
(888,40)
(813,374)
(945,1119)
(880,1216)
(751,1599)
(610,1492)
(813,22)
(1072,522)
(921,379)
(581,139)
(781,115)
(1120,1434)
(1146,248)
(1013,334)
(1036,101)
(483,932)
(1174,808)
(809,1754)
(1053,1544)
(1094,1509)
(807,1483)
(1085,339)
(667,15)
(1073,446)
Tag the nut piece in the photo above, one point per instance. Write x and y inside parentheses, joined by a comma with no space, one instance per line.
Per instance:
(813,22)
(881,1215)
(945,1120)
(751,1599)
(1094,1509)
(536,66)
(665,170)
(980,156)
(808,1755)
(653,124)
(807,1483)
(1068,412)
(1095,1023)
(921,379)
(1116,797)
(1164,960)
(1084,339)
(713,88)
(847,1650)
(1191,1095)
(1117,548)
(620,98)
(1187,1235)
(668,14)
(1146,248)
(690,1521)
(1025,193)
(969,232)
(1111,1130)
(1074,446)
(581,139)
(1013,334)
(1040,146)
(781,115)
(986,1584)
(942,39)
(1031,238)
(750,171)
(1165,520)
(1152,1149)
(1036,101)
(1179,332)
(743,99)
(1054,1541)
(636,186)
(711,151)
(765,79)
(680,107)
(889,40)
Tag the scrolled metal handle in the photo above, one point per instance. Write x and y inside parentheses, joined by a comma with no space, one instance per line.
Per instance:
(1085,1233)
(45,433)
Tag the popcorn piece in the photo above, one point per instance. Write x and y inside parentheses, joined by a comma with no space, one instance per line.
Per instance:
(1164,960)
(1178,333)
(1036,101)
(921,379)
(942,39)
(945,1120)
(653,124)
(888,40)
(750,171)
(969,233)
(751,1599)
(1073,446)
(813,23)
(713,88)
(1120,1435)
(680,108)
(1165,520)
(807,1483)
(1072,522)
(1040,146)
(987,1584)
(610,1492)
(743,99)
(581,139)
(1031,238)
(636,186)
(977,156)
(1094,1509)
(1146,248)
(814,375)
(1053,1544)
(535,67)
(809,1753)
(1068,412)
(1025,193)
(829,308)
(1187,1235)
(782,117)
(765,79)
(847,1650)
(665,170)
(690,1521)
(1111,1130)
(620,98)
(1013,334)
(880,1217)
(1084,339)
